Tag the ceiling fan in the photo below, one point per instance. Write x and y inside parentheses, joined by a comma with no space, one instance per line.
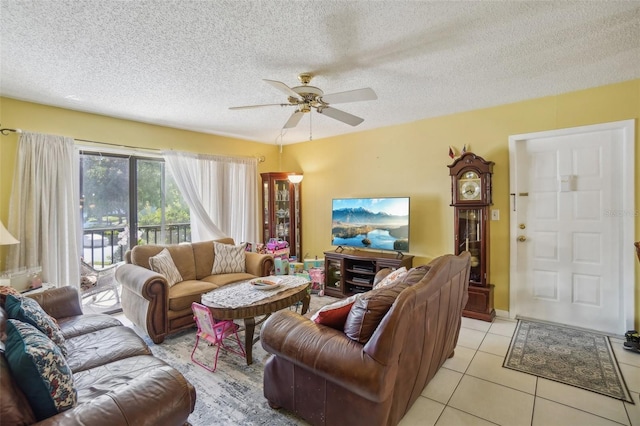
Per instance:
(306,97)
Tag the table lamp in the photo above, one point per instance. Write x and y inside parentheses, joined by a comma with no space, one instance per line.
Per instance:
(5,237)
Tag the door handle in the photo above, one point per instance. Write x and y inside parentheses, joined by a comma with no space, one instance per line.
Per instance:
(522,238)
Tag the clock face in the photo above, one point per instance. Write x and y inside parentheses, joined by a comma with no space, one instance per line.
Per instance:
(470,189)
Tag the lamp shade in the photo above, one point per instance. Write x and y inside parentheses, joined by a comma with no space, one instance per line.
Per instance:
(5,237)
(295,178)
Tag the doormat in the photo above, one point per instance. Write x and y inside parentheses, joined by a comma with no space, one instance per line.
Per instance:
(567,355)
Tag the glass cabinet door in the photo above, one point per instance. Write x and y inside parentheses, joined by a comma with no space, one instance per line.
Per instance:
(470,236)
(281,210)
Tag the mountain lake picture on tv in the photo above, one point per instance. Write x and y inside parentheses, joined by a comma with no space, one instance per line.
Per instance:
(371,223)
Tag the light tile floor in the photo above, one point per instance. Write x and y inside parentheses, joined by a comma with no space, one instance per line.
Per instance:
(473,388)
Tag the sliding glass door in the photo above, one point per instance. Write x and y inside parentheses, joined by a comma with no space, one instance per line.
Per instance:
(126,201)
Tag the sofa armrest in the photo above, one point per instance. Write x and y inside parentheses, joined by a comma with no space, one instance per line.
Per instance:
(161,396)
(316,348)
(258,264)
(145,299)
(59,302)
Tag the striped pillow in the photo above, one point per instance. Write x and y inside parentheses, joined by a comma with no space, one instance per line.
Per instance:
(162,263)
(228,258)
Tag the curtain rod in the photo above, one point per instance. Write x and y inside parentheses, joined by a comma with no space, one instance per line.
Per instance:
(5,132)
(118,145)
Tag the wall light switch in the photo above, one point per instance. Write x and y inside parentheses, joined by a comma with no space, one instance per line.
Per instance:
(495,214)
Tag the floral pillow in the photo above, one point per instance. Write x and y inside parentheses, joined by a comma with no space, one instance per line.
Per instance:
(28,310)
(163,263)
(39,369)
(228,258)
(335,314)
(394,277)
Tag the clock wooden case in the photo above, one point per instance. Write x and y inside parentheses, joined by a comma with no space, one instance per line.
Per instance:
(471,198)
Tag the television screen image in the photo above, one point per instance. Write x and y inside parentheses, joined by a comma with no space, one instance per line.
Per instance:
(372,223)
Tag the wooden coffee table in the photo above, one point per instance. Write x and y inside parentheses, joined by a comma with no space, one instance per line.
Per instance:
(262,308)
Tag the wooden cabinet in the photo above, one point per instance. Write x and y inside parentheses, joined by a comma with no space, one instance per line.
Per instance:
(347,273)
(281,211)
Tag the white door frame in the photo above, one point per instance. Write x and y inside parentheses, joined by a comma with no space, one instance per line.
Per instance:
(626,214)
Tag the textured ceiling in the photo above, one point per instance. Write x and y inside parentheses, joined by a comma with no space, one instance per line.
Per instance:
(184,63)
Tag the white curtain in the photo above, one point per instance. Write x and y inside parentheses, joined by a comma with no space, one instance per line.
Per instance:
(221,193)
(43,208)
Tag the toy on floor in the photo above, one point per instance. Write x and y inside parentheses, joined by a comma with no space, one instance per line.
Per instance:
(214,332)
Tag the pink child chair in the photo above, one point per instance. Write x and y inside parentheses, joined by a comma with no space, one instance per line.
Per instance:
(214,332)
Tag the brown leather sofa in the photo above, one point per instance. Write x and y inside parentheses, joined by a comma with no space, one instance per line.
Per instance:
(117,379)
(158,309)
(323,376)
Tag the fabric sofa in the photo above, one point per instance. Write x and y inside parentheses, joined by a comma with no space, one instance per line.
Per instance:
(114,375)
(161,309)
(393,341)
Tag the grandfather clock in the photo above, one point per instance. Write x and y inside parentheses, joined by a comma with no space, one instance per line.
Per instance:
(471,198)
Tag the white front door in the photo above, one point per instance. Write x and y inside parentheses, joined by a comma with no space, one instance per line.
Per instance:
(572,226)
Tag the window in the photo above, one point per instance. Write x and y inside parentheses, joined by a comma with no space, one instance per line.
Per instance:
(126,201)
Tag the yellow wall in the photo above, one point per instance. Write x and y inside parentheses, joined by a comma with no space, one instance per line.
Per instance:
(404,160)
(412,159)
(78,125)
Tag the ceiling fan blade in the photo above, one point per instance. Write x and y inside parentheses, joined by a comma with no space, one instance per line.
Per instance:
(258,106)
(339,115)
(283,88)
(366,94)
(293,120)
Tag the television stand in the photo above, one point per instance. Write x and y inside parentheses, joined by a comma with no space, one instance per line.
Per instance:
(347,273)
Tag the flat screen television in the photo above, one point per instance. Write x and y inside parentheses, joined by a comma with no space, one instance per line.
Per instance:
(372,223)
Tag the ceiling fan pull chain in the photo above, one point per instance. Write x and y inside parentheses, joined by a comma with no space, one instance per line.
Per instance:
(310,127)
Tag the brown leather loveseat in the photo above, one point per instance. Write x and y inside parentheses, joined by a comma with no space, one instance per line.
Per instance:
(159,309)
(117,379)
(327,378)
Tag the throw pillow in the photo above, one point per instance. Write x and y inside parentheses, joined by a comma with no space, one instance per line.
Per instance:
(393,277)
(368,310)
(335,314)
(39,369)
(28,310)
(228,258)
(162,263)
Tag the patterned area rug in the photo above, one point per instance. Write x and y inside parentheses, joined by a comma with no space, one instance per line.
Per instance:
(232,395)
(567,355)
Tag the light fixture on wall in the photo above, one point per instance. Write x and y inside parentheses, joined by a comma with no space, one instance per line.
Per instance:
(5,236)
(294,178)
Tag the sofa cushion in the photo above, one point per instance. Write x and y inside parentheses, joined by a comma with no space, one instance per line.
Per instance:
(368,310)
(28,310)
(392,278)
(40,370)
(335,314)
(162,263)
(415,275)
(104,346)
(228,258)
(87,323)
(108,378)
(183,294)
